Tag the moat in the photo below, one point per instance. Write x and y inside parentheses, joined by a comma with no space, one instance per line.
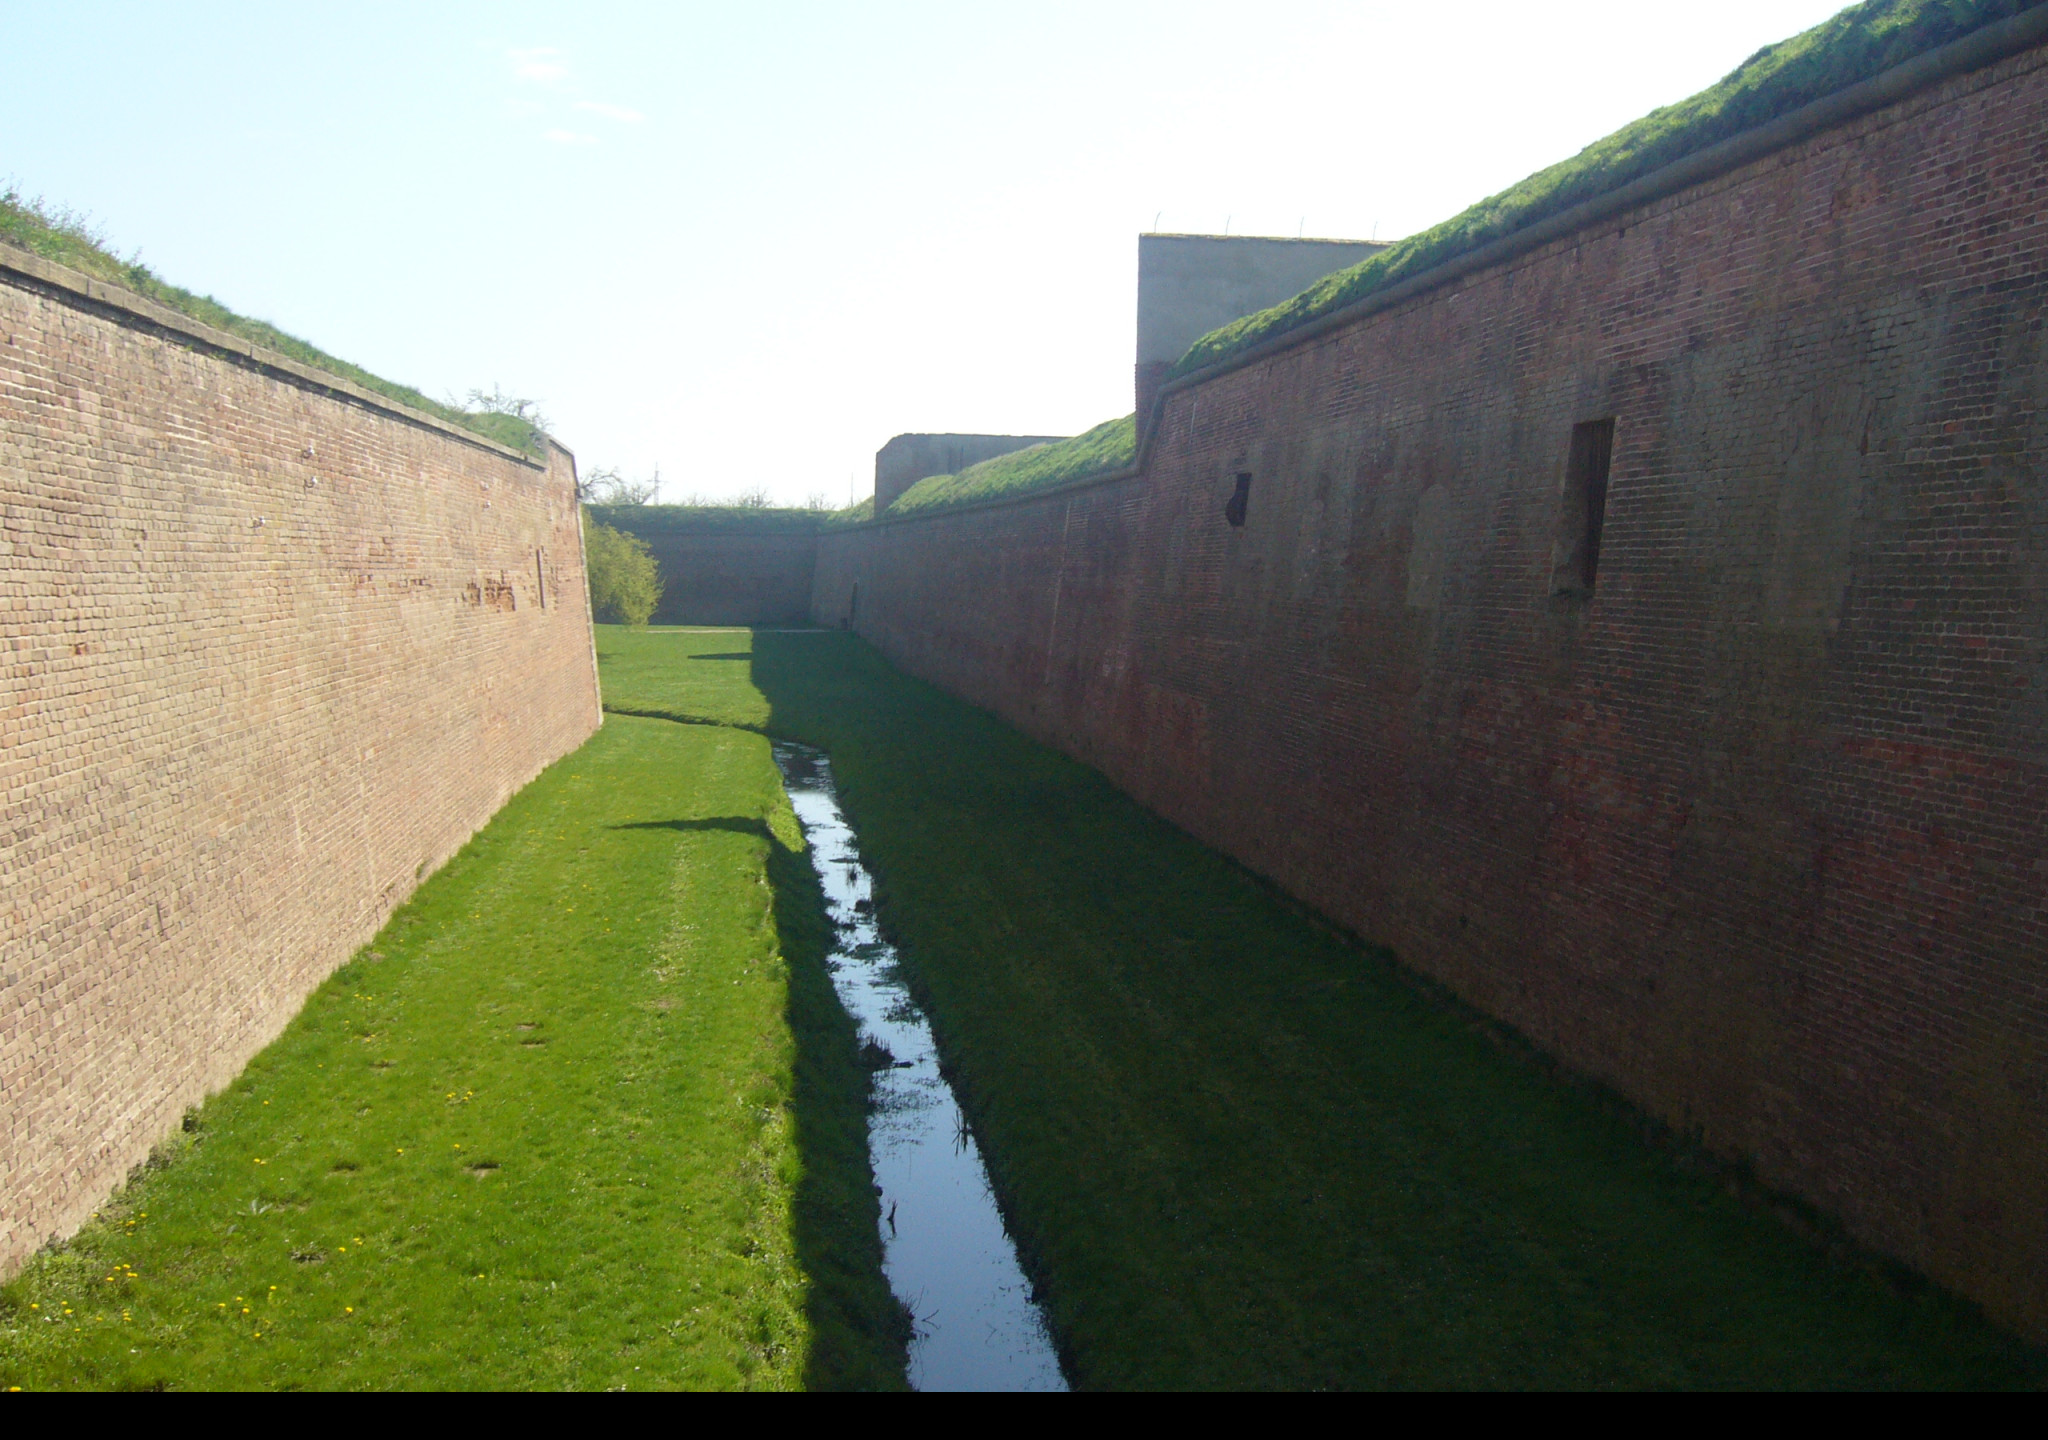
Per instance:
(948,1257)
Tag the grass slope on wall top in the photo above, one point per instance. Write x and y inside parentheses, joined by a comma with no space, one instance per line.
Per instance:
(1859,43)
(66,239)
(1107,448)
(649,521)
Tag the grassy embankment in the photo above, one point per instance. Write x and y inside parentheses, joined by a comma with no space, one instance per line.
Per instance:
(1843,50)
(651,522)
(1240,1149)
(585,1114)
(66,239)
(1106,449)
(1848,48)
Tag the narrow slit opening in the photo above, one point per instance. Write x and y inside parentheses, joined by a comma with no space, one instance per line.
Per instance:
(1234,507)
(1582,512)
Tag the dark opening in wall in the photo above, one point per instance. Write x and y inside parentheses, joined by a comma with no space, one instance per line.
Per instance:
(1233,508)
(540,578)
(1582,509)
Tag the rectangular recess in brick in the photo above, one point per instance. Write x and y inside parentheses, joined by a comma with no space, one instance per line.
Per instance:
(1582,511)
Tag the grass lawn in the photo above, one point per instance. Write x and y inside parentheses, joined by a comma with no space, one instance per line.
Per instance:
(586,1114)
(1238,1148)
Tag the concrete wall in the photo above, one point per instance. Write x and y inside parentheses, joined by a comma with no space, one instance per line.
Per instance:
(907,459)
(273,649)
(1759,833)
(1189,285)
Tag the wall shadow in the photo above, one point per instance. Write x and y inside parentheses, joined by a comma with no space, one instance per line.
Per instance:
(731,824)
(1237,1147)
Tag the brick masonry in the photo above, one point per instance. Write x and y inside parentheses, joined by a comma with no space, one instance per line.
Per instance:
(273,650)
(734,577)
(1759,833)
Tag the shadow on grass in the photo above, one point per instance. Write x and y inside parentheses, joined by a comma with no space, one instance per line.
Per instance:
(731,824)
(860,1334)
(680,717)
(1239,1148)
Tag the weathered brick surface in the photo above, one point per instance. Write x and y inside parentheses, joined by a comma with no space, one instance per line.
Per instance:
(1760,833)
(269,656)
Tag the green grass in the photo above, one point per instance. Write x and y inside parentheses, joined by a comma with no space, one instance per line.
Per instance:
(1109,447)
(1239,1148)
(858,514)
(614,995)
(66,239)
(1860,42)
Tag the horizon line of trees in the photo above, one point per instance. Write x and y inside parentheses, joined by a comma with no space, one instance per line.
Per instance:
(610,485)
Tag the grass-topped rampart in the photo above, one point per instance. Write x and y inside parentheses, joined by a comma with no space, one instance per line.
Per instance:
(1856,45)
(66,239)
(652,521)
(1108,448)
(1861,42)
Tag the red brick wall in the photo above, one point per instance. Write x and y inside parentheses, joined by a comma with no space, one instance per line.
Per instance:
(1760,833)
(271,654)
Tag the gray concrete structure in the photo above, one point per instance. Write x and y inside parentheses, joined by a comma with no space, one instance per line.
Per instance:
(1189,285)
(908,459)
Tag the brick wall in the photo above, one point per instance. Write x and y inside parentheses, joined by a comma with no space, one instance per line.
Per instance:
(733,577)
(273,649)
(1758,834)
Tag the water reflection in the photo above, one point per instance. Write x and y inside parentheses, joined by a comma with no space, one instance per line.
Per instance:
(947,1255)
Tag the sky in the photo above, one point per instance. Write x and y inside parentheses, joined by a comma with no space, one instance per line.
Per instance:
(746,244)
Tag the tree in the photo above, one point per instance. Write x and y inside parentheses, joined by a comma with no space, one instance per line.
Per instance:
(606,485)
(496,402)
(625,586)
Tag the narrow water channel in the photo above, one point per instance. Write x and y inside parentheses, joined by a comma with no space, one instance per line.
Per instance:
(946,1253)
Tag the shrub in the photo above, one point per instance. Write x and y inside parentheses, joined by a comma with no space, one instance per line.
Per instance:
(624,584)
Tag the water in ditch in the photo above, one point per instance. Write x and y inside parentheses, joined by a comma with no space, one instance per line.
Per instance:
(946,1253)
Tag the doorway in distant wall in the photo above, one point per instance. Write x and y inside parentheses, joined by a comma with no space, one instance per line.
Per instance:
(852,607)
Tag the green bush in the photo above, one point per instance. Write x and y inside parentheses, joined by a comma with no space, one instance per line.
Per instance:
(624,584)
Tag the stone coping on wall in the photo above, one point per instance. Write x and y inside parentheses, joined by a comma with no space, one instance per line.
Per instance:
(1986,47)
(130,308)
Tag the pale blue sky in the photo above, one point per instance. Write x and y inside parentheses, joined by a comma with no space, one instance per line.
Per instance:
(751,243)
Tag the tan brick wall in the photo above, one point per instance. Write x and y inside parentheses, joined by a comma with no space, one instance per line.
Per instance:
(272,651)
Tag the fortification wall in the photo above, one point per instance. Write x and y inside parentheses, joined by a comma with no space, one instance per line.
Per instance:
(274,649)
(1758,834)
(733,577)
